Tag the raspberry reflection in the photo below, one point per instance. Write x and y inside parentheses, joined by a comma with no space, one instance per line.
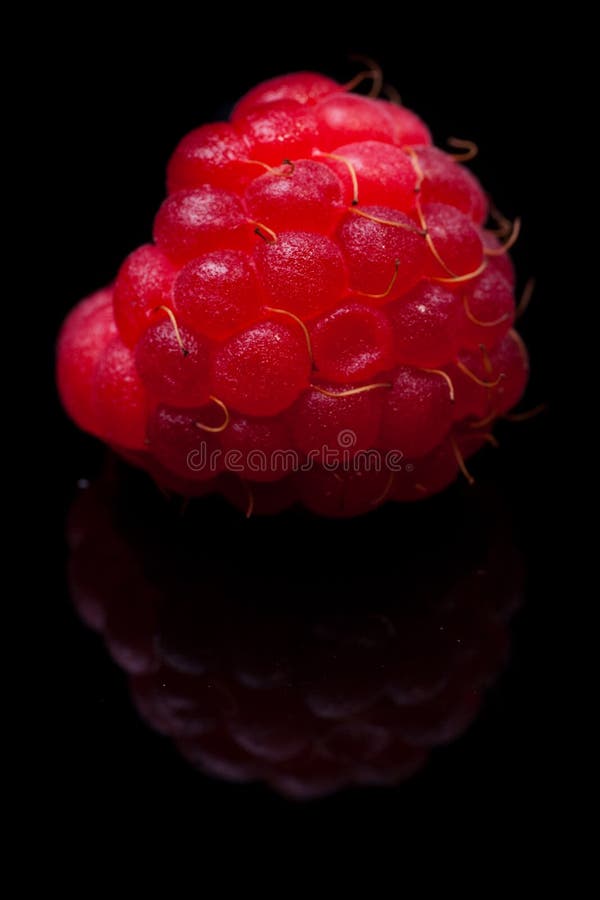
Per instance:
(307,655)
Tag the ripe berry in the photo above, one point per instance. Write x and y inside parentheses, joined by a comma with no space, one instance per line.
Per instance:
(352,344)
(425,324)
(345,118)
(458,246)
(301,196)
(261,370)
(249,441)
(279,131)
(384,251)
(384,173)
(217,294)
(85,333)
(301,272)
(488,309)
(328,422)
(417,412)
(320,279)
(178,444)
(193,222)
(408,129)
(211,154)
(118,402)
(445,181)
(144,283)
(303,88)
(500,262)
(353,492)
(174,364)
(430,474)
(510,359)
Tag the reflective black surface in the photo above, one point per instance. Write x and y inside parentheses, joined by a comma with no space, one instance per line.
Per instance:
(371,622)
(289,652)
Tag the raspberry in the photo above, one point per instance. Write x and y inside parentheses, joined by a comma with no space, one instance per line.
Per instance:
(343,118)
(321,416)
(320,278)
(445,182)
(425,324)
(352,343)
(251,440)
(279,128)
(193,222)
(417,412)
(173,435)
(488,307)
(304,270)
(217,294)
(87,331)
(458,247)
(118,397)
(174,364)
(214,154)
(262,370)
(384,251)
(322,692)
(311,200)
(303,88)
(144,283)
(385,173)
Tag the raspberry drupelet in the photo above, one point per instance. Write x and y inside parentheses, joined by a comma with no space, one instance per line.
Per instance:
(318,269)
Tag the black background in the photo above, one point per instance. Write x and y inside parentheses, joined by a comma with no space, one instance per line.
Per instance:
(111,101)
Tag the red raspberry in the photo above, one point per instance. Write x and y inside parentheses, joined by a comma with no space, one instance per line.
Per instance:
(327,690)
(321,279)
(86,332)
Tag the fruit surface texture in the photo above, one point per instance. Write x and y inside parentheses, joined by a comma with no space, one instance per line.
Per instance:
(324,315)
